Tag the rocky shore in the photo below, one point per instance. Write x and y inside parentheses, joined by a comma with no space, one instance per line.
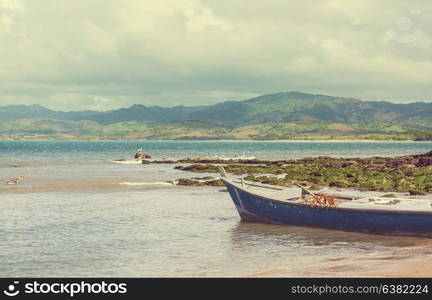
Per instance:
(409,174)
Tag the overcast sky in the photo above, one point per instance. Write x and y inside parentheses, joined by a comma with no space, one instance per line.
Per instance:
(104,54)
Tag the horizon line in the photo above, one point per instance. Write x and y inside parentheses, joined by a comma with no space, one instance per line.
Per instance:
(222,101)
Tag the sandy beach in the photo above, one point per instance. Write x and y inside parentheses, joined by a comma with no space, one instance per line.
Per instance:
(404,262)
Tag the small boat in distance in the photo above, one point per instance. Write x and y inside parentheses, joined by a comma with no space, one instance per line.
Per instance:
(380,215)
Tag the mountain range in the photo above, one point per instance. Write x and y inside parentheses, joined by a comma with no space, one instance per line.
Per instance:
(293,113)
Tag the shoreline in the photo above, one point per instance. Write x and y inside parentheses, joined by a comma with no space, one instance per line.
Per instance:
(222,141)
(411,268)
(410,262)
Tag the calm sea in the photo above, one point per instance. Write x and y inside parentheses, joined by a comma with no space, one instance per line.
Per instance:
(80,213)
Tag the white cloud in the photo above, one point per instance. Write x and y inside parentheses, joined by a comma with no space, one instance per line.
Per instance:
(11,5)
(105,54)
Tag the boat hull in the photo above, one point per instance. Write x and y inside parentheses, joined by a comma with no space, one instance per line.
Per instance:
(256,208)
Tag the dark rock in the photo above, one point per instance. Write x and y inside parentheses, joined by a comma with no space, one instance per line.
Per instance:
(416,193)
(141,154)
(424,162)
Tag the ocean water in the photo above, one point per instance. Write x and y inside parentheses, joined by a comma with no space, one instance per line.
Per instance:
(80,213)
(106,150)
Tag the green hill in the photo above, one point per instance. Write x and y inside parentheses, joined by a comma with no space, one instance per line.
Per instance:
(291,115)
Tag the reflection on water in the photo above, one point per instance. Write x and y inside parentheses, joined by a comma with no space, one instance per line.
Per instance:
(249,232)
(168,232)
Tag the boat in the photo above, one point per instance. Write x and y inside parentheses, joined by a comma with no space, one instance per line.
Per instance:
(256,202)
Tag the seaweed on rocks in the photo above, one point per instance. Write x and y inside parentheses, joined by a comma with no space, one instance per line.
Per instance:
(408,174)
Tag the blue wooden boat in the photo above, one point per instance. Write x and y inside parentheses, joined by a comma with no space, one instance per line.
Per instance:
(380,215)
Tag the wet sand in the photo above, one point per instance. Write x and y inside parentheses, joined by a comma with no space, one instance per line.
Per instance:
(407,262)
(405,269)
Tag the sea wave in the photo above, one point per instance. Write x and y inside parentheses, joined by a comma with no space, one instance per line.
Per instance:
(157,183)
(127,162)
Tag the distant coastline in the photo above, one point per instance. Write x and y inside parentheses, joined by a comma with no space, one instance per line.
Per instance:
(225,140)
(286,116)
(317,141)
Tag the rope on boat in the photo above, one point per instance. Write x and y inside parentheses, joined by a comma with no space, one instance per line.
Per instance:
(318,200)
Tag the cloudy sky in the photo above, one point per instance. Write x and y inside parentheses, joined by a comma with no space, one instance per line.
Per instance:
(104,54)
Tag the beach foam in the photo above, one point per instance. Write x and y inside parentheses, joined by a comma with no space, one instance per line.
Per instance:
(127,162)
(157,183)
